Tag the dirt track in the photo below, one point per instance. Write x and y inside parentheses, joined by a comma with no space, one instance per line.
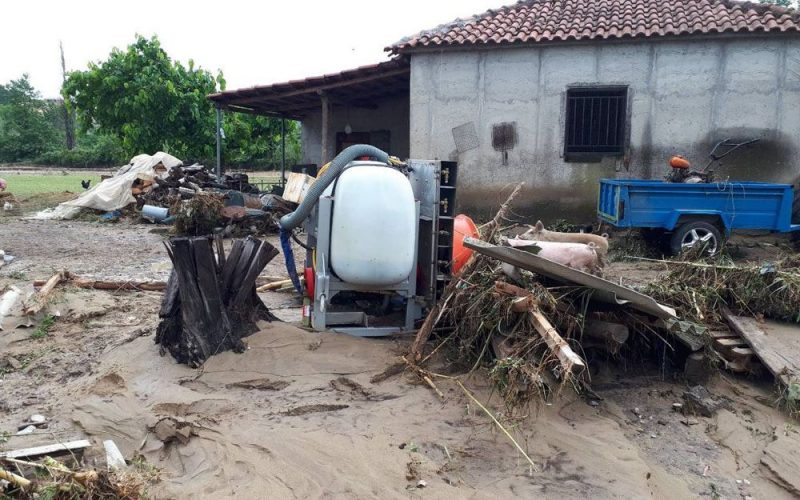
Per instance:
(296,415)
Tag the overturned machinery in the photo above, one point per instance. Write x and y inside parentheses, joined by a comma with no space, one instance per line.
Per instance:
(379,241)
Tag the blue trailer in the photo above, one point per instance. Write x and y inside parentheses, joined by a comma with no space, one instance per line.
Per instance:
(702,213)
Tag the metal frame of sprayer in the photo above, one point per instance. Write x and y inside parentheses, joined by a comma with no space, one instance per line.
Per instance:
(433,185)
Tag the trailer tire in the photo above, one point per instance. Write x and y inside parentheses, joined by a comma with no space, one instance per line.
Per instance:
(690,233)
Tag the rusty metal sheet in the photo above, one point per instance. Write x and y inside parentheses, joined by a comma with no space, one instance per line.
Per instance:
(605,290)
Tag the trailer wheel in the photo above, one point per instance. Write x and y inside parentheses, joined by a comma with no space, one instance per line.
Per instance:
(692,234)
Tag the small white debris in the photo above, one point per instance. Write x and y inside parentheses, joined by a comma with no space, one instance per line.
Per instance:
(27,430)
(422,483)
(114,458)
(37,419)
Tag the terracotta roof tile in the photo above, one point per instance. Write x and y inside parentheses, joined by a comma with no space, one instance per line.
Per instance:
(531,21)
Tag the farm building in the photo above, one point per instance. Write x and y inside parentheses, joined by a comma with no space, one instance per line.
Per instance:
(561,93)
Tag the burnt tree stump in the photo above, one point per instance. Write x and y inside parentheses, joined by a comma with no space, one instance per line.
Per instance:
(210,302)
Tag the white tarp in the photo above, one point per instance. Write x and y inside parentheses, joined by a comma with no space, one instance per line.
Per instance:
(115,193)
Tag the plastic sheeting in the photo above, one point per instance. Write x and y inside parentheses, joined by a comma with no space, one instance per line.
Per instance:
(115,193)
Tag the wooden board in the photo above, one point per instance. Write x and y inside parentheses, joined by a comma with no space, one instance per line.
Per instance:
(297,186)
(50,449)
(723,334)
(777,345)
(729,343)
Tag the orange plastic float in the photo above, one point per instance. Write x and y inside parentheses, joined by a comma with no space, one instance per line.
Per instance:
(679,162)
(463,226)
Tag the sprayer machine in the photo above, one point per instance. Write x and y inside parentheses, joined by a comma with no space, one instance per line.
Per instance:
(378,239)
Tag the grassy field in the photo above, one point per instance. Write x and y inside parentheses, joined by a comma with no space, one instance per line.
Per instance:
(25,185)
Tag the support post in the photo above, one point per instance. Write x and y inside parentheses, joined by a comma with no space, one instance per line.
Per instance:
(219,142)
(326,118)
(283,152)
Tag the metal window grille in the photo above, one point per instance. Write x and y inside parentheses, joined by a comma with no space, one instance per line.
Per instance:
(596,120)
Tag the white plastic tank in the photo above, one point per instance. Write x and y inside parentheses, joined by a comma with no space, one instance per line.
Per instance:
(373,230)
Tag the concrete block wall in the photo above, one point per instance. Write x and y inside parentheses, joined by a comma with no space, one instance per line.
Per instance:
(391,115)
(683,97)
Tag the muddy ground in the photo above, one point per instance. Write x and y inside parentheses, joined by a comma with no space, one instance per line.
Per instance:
(296,416)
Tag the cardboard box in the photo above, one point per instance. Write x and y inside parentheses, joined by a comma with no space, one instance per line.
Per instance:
(297,186)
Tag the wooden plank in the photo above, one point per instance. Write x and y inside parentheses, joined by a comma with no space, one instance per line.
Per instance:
(728,344)
(742,351)
(150,286)
(780,352)
(40,300)
(570,361)
(48,449)
(723,334)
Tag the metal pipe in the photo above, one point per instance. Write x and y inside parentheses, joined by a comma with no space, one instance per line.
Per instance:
(219,142)
(283,152)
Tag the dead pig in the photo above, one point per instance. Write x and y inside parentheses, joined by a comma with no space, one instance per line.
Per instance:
(539,233)
(580,256)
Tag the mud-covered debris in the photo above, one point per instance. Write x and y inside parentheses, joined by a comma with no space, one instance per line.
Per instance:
(169,429)
(10,362)
(699,401)
(306,409)
(260,384)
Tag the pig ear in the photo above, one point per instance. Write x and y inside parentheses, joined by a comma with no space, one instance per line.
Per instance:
(539,225)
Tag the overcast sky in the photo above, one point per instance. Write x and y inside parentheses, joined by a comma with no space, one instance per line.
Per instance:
(254,43)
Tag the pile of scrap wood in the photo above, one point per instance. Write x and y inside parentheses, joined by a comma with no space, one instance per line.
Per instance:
(163,190)
(208,212)
(211,303)
(198,202)
(186,182)
(532,319)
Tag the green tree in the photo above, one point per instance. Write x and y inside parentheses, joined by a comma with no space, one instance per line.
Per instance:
(151,103)
(256,140)
(782,3)
(147,100)
(26,122)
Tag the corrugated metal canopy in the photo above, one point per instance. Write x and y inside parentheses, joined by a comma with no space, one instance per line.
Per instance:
(360,87)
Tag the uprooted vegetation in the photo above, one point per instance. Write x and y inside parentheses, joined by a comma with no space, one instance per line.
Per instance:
(53,479)
(699,290)
(530,331)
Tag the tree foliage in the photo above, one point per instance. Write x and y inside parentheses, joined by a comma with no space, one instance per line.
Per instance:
(26,121)
(152,103)
(782,3)
(136,101)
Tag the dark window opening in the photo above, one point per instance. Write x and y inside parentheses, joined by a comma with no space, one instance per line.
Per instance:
(504,138)
(595,122)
